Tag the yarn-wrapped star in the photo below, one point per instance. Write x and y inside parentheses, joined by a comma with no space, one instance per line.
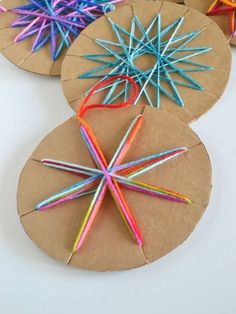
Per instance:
(57,22)
(220,7)
(172,60)
(111,176)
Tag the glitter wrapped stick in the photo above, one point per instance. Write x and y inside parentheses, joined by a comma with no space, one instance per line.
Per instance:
(220,7)
(57,22)
(111,176)
(174,60)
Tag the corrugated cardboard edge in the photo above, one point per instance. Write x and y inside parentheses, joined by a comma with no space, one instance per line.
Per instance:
(109,246)
(221,20)
(196,102)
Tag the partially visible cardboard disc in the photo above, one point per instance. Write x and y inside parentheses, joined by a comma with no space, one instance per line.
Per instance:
(196,102)
(20,53)
(222,20)
(109,245)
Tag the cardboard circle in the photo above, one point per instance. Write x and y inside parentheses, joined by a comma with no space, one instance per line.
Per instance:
(196,102)
(20,53)
(109,245)
(222,20)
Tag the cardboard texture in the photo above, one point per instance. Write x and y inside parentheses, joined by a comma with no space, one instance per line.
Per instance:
(109,245)
(175,1)
(20,53)
(222,20)
(196,102)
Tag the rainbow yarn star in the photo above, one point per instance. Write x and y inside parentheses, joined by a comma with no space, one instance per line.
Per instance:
(57,22)
(220,7)
(111,176)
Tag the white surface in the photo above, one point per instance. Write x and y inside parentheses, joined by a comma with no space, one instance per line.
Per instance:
(197,278)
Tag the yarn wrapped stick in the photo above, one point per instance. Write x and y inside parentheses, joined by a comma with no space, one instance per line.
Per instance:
(122,173)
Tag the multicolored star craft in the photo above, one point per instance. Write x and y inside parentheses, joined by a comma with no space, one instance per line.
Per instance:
(111,176)
(220,7)
(57,22)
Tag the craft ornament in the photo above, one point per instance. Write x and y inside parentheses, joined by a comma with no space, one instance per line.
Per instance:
(172,53)
(52,24)
(170,56)
(59,22)
(113,175)
(119,178)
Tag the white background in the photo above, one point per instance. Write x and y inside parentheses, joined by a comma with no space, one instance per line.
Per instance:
(197,278)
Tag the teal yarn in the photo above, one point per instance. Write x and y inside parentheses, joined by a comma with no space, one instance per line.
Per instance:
(172,54)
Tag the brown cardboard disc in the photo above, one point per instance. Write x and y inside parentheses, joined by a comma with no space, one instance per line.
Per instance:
(20,53)
(196,102)
(109,245)
(221,20)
